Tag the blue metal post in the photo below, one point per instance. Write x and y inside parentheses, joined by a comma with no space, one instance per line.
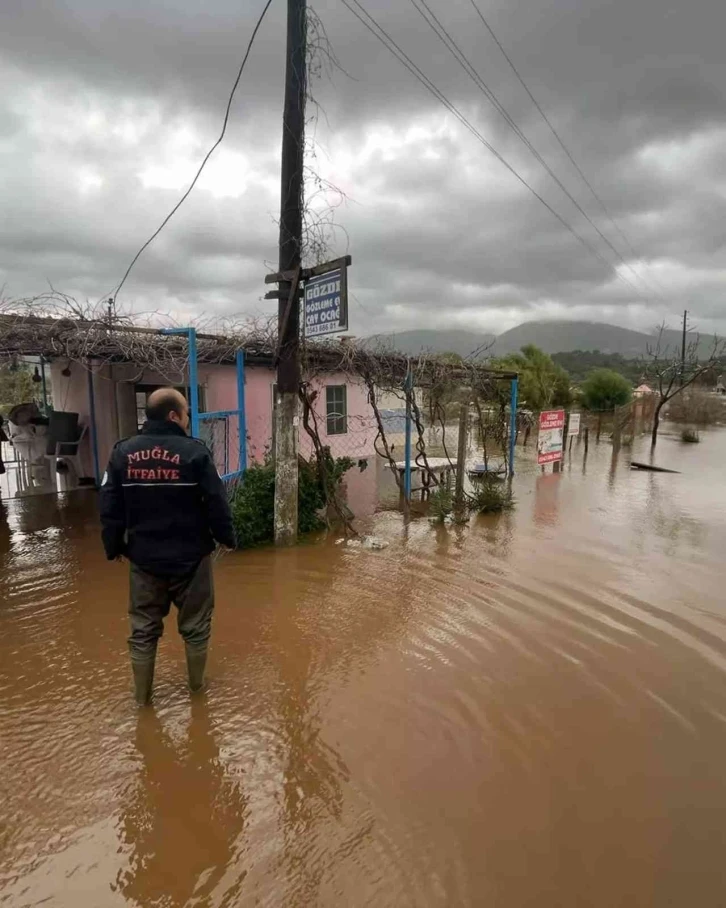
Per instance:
(191,336)
(94,432)
(407,454)
(193,383)
(242,464)
(513,423)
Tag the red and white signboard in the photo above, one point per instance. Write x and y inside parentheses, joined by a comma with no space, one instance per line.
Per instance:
(550,440)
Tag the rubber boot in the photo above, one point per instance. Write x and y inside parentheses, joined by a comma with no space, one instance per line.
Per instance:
(143,670)
(196,663)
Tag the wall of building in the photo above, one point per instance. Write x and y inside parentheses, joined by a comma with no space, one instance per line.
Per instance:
(116,408)
(358,440)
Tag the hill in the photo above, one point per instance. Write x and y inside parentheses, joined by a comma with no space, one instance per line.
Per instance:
(552,337)
(563,337)
(448,341)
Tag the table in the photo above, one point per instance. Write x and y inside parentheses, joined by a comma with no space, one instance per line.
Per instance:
(441,467)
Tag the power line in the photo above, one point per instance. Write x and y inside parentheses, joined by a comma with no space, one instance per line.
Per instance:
(445,37)
(206,157)
(559,139)
(380,33)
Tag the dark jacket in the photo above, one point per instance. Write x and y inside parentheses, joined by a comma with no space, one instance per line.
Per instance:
(163,503)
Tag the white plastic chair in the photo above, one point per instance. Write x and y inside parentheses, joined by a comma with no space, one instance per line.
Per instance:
(73,458)
(29,443)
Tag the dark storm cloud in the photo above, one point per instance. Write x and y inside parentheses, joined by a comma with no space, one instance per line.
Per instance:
(99,92)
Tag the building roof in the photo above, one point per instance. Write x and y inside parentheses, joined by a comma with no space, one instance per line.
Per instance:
(102,340)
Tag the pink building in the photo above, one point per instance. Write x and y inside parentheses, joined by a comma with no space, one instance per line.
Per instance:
(345,419)
(101,376)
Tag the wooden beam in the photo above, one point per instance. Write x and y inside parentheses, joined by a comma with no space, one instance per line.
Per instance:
(305,273)
(277,295)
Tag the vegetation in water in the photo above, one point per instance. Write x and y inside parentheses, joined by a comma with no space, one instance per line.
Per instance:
(698,408)
(441,505)
(491,497)
(253,499)
(690,436)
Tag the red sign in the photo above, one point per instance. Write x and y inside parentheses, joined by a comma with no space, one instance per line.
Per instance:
(550,440)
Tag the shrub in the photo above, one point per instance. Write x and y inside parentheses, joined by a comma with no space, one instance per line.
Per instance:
(491,497)
(696,406)
(253,506)
(441,504)
(253,499)
(691,436)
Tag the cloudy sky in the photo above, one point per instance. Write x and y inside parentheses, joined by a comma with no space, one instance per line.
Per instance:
(109,106)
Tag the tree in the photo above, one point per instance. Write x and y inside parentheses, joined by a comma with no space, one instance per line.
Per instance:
(580,363)
(672,371)
(16,385)
(542,383)
(604,389)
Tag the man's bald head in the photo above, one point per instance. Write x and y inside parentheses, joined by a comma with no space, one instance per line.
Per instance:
(168,405)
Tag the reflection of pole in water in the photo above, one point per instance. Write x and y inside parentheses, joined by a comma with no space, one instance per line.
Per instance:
(311,770)
(5,534)
(585,450)
(182,820)
(546,499)
(613,466)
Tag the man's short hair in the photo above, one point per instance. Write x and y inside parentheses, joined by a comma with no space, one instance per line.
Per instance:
(162,402)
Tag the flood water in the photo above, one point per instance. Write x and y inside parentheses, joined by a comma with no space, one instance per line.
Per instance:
(530,711)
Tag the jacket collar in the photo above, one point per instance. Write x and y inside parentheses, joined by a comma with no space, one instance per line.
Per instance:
(162,427)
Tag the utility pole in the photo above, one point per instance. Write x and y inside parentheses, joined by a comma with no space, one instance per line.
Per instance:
(288,325)
(683,347)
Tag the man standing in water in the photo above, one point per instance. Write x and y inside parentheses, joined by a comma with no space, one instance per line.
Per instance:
(163,505)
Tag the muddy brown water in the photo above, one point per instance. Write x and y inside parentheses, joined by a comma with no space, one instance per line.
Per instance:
(527,712)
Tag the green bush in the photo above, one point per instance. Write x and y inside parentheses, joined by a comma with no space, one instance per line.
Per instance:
(441,504)
(491,497)
(604,390)
(253,499)
(690,436)
(253,506)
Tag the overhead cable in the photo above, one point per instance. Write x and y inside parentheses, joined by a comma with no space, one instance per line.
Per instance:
(206,157)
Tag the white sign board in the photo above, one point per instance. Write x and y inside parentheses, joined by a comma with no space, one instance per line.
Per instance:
(573,426)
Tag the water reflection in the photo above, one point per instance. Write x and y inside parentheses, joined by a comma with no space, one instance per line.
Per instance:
(5,533)
(546,499)
(529,710)
(183,819)
(312,771)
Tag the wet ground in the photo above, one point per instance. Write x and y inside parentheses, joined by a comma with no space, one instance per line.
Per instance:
(527,712)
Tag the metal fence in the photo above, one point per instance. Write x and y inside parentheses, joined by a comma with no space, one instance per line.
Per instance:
(224,431)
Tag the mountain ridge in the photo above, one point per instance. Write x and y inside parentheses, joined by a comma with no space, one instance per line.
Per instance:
(562,336)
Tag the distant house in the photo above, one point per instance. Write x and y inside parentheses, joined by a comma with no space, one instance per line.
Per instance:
(643,391)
